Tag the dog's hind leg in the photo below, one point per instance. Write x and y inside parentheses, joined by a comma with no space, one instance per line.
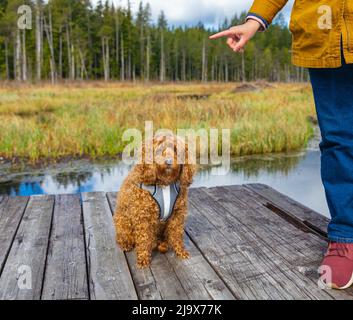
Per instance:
(124,233)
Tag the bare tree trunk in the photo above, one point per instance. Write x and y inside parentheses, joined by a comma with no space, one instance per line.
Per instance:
(107,58)
(38,42)
(14,58)
(117,33)
(189,75)
(122,60)
(287,73)
(226,70)
(60,54)
(162,62)
(243,76)
(176,63)
(68,50)
(84,73)
(49,33)
(212,70)
(204,63)
(148,57)
(183,68)
(90,45)
(129,71)
(142,53)
(7,60)
(18,75)
(73,64)
(103,58)
(24,56)
(70,53)
(105,55)
(218,69)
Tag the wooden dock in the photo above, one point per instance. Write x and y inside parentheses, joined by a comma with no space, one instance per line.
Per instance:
(246,242)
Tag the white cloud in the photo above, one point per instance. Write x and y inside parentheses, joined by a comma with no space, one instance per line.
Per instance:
(190,12)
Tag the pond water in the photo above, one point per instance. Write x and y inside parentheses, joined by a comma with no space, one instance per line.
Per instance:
(294,174)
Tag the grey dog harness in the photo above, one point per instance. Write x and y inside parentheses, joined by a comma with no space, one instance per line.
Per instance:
(165,197)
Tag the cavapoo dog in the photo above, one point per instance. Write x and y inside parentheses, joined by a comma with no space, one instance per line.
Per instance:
(152,202)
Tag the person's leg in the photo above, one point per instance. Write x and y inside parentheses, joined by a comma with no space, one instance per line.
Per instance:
(333,93)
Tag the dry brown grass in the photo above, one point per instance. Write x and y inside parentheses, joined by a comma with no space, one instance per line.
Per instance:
(88,119)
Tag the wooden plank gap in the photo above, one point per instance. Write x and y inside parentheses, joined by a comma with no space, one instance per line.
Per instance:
(6,228)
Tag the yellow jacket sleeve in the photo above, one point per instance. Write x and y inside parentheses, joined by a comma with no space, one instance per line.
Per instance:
(267,9)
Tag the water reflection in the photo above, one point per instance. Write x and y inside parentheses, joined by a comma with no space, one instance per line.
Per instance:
(295,174)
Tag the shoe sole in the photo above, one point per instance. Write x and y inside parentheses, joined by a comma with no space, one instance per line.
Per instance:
(334,286)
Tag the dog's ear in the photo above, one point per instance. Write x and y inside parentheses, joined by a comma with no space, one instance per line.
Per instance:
(188,169)
(147,173)
(146,168)
(187,173)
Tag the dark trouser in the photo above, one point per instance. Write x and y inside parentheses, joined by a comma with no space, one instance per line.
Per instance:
(333,93)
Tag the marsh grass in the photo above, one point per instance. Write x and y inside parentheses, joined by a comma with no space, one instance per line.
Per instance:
(88,120)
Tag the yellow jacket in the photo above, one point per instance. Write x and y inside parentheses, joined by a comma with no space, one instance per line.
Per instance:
(317,27)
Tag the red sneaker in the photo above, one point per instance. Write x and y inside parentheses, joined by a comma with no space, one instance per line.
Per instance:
(337,267)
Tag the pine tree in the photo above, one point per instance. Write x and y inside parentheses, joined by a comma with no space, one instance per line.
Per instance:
(73,40)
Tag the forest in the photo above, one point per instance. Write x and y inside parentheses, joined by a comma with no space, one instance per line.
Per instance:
(74,40)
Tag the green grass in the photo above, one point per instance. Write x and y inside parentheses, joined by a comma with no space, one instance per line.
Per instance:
(80,120)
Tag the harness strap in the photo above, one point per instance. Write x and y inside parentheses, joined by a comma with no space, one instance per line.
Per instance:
(165,197)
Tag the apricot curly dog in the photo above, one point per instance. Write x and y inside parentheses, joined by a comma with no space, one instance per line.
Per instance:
(152,202)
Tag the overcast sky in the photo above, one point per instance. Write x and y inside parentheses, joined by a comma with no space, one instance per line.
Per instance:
(190,12)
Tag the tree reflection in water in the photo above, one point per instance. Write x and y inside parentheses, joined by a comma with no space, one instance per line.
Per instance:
(83,175)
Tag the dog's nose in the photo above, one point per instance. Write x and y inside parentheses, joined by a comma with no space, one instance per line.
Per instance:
(169,162)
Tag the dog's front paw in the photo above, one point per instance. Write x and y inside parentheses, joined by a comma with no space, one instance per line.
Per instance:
(183,254)
(143,262)
(126,247)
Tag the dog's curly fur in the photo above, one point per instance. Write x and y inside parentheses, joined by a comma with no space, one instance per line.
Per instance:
(136,218)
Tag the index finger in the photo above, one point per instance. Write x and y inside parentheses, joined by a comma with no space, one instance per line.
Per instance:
(225,33)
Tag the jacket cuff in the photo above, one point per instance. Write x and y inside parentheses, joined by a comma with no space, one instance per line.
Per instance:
(267,9)
(253,16)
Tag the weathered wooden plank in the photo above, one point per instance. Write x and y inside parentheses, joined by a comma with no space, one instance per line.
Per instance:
(144,281)
(284,242)
(109,277)
(198,278)
(165,282)
(230,262)
(290,206)
(254,270)
(26,260)
(296,246)
(11,212)
(239,248)
(226,253)
(65,274)
(304,251)
(171,278)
